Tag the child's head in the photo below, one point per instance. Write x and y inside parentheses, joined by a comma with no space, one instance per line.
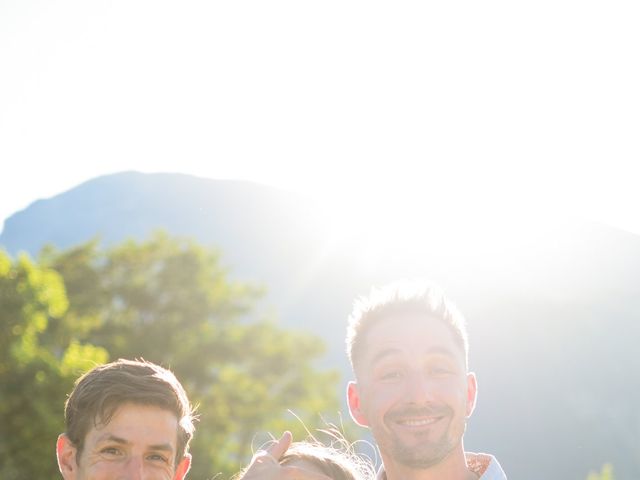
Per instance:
(335,462)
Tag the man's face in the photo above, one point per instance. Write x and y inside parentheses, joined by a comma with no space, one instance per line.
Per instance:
(138,443)
(413,390)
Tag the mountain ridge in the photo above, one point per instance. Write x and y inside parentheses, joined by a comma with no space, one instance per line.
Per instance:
(552,314)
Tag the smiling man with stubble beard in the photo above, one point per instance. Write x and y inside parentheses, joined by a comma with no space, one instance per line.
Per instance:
(408,348)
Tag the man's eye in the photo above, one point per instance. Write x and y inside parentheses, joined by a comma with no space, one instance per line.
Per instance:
(156,457)
(391,375)
(113,451)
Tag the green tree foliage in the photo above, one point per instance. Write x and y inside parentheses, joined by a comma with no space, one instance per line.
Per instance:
(171,302)
(36,372)
(605,474)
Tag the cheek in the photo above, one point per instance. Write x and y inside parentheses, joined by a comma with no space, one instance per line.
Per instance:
(452,388)
(458,398)
(101,470)
(381,399)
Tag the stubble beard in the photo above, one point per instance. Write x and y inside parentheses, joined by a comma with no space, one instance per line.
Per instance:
(424,452)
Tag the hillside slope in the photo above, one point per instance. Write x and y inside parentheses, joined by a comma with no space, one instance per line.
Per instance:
(553,310)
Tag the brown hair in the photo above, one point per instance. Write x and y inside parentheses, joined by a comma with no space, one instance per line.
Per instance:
(397,299)
(335,457)
(100,392)
(338,463)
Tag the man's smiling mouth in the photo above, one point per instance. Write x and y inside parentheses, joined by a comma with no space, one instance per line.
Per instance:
(417,422)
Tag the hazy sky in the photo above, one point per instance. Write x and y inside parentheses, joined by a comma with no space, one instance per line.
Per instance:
(483,105)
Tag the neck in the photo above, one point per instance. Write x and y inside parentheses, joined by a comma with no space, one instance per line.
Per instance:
(452,467)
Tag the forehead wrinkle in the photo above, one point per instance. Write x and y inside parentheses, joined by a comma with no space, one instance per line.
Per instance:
(424,325)
(110,437)
(162,446)
(387,352)
(392,351)
(438,350)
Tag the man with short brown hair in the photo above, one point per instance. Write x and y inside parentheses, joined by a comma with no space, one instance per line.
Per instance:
(408,348)
(126,419)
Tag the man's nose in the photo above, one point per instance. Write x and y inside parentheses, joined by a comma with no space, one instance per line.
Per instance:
(134,468)
(419,388)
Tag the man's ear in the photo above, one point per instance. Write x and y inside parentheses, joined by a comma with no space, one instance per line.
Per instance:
(66,453)
(472,392)
(183,467)
(355,407)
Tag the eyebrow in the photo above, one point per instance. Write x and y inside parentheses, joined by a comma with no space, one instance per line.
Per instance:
(107,437)
(166,447)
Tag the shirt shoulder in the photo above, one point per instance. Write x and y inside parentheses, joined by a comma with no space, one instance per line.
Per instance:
(485,466)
